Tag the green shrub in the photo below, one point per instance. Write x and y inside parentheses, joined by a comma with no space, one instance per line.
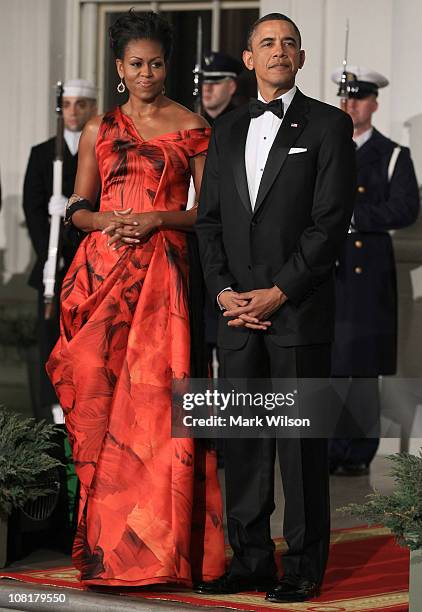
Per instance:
(24,446)
(401,511)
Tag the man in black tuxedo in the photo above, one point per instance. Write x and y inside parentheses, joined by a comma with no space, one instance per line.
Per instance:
(79,105)
(276,201)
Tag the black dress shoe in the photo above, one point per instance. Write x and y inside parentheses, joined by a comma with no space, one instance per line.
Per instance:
(351,469)
(226,585)
(293,588)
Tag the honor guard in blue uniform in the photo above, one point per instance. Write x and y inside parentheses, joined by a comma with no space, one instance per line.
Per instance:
(219,84)
(387,198)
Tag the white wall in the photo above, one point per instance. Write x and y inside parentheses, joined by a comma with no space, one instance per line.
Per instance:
(24,111)
(384,35)
(406,51)
(32,34)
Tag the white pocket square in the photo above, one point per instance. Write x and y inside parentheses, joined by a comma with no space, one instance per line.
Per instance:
(294,150)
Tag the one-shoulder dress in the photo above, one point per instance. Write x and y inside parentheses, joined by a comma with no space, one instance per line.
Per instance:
(150,508)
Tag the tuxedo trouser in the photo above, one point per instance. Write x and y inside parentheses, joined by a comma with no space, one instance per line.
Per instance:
(249,472)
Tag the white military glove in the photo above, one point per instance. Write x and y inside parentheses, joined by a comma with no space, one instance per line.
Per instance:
(57,205)
(46,273)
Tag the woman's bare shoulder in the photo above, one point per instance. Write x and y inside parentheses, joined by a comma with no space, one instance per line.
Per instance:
(186,119)
(93,125)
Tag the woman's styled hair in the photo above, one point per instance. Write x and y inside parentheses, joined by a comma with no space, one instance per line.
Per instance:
(136,26)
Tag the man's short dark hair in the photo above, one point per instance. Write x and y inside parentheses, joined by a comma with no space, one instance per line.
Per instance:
(271,17)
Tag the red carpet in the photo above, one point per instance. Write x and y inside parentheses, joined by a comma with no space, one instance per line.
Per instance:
(367,572)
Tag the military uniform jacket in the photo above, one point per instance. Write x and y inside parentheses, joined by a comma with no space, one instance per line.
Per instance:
(38,188)
(226,110)
(366,294)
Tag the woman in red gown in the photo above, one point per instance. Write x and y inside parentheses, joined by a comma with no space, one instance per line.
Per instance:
(150,509)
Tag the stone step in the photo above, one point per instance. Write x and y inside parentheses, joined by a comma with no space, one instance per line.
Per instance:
(13,595)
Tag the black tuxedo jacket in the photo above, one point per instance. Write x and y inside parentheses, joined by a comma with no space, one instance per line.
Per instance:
(38,187)
(292,237)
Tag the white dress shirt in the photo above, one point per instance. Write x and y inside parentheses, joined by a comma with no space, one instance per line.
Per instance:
(261,134)
(72,140)
(360,140)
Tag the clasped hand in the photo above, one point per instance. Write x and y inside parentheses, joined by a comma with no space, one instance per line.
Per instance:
(251,309)
(127,228)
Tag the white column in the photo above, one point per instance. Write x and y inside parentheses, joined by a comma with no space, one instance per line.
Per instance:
(57,52)
(215,27)
(24,104)
(88,41)
(310,18)
(276,6)
(406,84)
(72,49)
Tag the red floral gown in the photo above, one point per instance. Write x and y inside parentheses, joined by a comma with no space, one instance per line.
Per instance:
(150,508)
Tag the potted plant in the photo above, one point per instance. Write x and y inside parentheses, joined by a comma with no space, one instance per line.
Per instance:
(24,447)
(401,512)
(18,340)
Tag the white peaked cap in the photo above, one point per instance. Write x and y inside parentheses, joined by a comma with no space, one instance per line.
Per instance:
(362,74)
(80,88)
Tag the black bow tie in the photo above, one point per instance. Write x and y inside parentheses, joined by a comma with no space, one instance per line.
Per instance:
(258,108)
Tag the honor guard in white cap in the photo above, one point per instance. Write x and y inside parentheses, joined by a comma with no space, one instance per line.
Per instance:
(79,105)
(361,81)
(219,84)
(80,88)
(387,198)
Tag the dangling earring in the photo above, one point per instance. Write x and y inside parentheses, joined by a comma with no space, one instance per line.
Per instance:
(163,91)
(121,87)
